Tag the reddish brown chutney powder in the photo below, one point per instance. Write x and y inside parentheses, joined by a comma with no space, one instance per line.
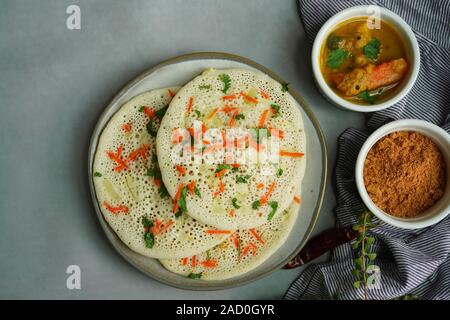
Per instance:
(405,173)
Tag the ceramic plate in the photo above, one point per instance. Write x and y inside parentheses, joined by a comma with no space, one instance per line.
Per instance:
(178,71)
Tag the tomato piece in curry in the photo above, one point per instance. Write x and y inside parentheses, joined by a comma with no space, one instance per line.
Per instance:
(361,64)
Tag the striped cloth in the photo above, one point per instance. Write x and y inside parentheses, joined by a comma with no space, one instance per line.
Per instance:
(413,262)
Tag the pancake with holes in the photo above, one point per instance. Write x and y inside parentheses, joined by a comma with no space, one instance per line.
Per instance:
(128,185)
(242,252)
(246,178)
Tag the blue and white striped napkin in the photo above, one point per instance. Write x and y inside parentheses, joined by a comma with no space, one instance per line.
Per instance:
(413,262)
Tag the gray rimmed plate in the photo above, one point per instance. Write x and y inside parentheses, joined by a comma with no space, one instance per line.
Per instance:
(178,71)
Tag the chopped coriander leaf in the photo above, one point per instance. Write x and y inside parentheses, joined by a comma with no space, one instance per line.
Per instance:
(256,204)
(151,131)
(243,179)
(198,113)
(194,275)
(161,112)
(284,86)
(205,87)
(148,223)
(208,255)
(149,239)
(222,166)
(365,95)
(182,200)
(141,109)
(235,169)
(274,206)
(276,108)
(226,82)
(239,116)
(235,204)
(154,172)
(279,172)
(97,174)
(197,192)
(163,193)
(336,57)
(372,49)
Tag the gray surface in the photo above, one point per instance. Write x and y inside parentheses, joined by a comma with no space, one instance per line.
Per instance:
(53,85)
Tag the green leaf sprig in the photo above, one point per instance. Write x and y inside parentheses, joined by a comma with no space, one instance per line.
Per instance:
(226,82)
(366,257)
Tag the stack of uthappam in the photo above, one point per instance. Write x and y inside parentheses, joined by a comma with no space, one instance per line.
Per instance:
(206,177)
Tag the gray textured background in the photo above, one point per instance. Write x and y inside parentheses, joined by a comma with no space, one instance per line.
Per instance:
(54,83)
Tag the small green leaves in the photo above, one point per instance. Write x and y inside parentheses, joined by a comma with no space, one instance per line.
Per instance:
(163,193)
(197,192)
(148,223)
(336,57)
(279,172)
(240,116)
(285,87)
(276,108)
(235,204)
(226,82)
(243,179)
(372,49)
(97,174)
(222,166)
(205,87)
(364,262)
(149,237)
(182,207)
(141,109)
(195,275)
(256,204)
(151,131)
(274,206)
(198,114)
(366,96)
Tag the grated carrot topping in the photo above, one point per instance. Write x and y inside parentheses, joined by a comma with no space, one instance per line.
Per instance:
(265,198)
(291,154)
(171,94)
(214,231)
(117,209)
(229,97)
(247,98)
(117,157)
(297,199)
(189,105)
(127,127)
(256,235)
(264,94)
(209,263)
(262,119)
(181,170)
(149,112)
(184,261)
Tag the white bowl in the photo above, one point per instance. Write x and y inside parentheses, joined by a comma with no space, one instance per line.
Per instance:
(412,50)
(441,208)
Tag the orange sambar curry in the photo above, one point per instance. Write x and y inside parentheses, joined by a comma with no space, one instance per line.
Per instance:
(363,65)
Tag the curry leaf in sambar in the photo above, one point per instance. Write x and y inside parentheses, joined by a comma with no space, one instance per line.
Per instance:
(336,57)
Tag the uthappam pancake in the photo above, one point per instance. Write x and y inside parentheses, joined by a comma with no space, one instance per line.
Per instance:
(128,185)
(242,252)
(236,194)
